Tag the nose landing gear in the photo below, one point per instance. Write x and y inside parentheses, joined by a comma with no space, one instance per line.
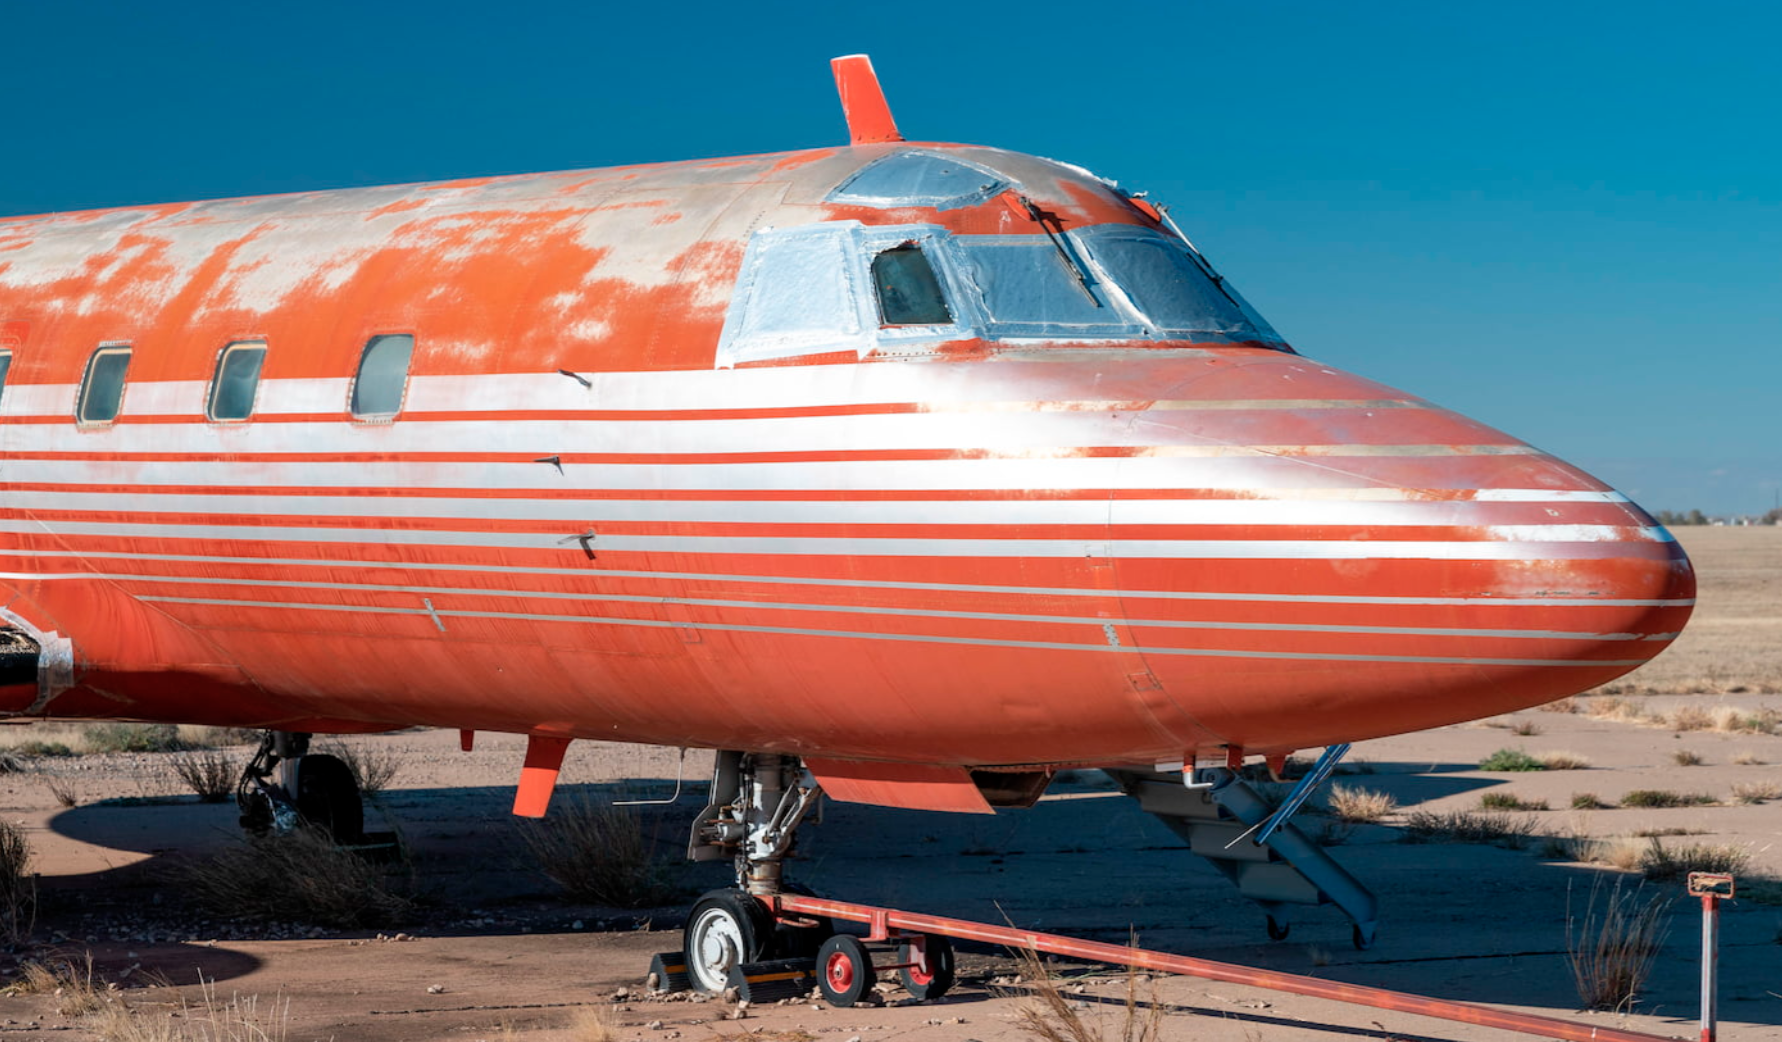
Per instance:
(312,789)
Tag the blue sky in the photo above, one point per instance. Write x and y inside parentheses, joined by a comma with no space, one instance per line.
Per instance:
(1564,219)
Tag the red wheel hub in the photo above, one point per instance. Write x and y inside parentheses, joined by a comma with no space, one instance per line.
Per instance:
(840,971)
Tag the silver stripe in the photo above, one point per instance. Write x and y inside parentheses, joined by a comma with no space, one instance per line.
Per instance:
(864,584)
(1563,538)
(1322,513)
(915,431)
(1259,474)
(846,609)
(917,638)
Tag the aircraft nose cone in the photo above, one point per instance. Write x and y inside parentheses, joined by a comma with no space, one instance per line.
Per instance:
(1346,561)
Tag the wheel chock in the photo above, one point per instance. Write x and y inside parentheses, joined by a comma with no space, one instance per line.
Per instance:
(668,972)
(763,982)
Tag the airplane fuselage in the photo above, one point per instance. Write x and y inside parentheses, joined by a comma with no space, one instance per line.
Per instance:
(922,453)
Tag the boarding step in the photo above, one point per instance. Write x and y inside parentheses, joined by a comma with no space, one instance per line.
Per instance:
(1218,823)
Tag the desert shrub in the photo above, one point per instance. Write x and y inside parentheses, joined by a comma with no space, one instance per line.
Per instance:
(1686,758)
(1669,830)
(206,736)
(373,766)
(299,876)
(36,748)
(1509,801)
(1355,804)
(599,853)
(10,764)
(1670,863)
(1510,760)
(1564,705)
(63,790)
(1465,826)
(1562,760)
(1664,798)
(207,773)
(1587,801)
(132,738)
(1762,720)
(1756,792)
(1691,718)
(18,885)
(1747,758)
(1525,728)
(1613,948)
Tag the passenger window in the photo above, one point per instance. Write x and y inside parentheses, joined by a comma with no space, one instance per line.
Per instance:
(5,365)
(237,378)
(102,389)
(383,376)
(909,293)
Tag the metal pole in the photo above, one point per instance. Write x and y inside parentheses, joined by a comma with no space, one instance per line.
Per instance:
(1710,963)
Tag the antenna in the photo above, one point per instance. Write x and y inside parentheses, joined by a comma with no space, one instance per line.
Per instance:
(863,101)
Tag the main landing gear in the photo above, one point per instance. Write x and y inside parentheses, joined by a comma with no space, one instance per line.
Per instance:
(739,938)
(312,789)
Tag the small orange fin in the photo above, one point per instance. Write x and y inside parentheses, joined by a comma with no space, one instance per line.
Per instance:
(863,101)
(538,778)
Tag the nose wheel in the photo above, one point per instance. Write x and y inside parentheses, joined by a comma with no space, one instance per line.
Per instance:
(727,929)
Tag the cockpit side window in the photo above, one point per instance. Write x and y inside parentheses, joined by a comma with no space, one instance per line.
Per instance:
(5,365)
(909,292)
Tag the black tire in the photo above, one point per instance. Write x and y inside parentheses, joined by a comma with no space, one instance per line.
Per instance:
(940,974)
(328,797)
(1362,939)
(844,970)
(727,928)
(1277,930)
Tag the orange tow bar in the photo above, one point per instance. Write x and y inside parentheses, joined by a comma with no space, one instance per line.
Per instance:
(881,922)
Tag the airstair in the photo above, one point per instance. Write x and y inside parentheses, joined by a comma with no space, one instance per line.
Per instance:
(1218,821)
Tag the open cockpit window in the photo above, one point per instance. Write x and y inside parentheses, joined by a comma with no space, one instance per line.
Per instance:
(909,292)
(237,379)
(383,376)
(102,388)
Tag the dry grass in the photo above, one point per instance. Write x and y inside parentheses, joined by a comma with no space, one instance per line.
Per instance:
(1525,728)
(1053,1016)
(1687,758)
(1662,863)
(18,885)
(1691,718)
(1619,710)
(1613,948)
(1509,801)
(104,1014)
(1564,760)
(1747,758)
(600,853)
(299,877)
(1663,798)
(1565,705)
(1587,801)
(1359,805)
(64,790)
(1466,826)
(1756,792)
(374,765)
(209,773)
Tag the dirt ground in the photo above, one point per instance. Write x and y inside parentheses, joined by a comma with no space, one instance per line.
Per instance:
(495,951)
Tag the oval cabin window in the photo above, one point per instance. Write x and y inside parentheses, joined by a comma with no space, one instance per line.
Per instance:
(383,376)
(237,379)
(102,388)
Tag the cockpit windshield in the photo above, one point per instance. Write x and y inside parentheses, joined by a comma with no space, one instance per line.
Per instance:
(1165,283)
(1026,291)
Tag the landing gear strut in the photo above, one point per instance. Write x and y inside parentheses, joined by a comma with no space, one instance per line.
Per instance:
(733,940)
(312,789)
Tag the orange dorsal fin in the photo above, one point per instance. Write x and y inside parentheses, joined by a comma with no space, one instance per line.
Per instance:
(863,101)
